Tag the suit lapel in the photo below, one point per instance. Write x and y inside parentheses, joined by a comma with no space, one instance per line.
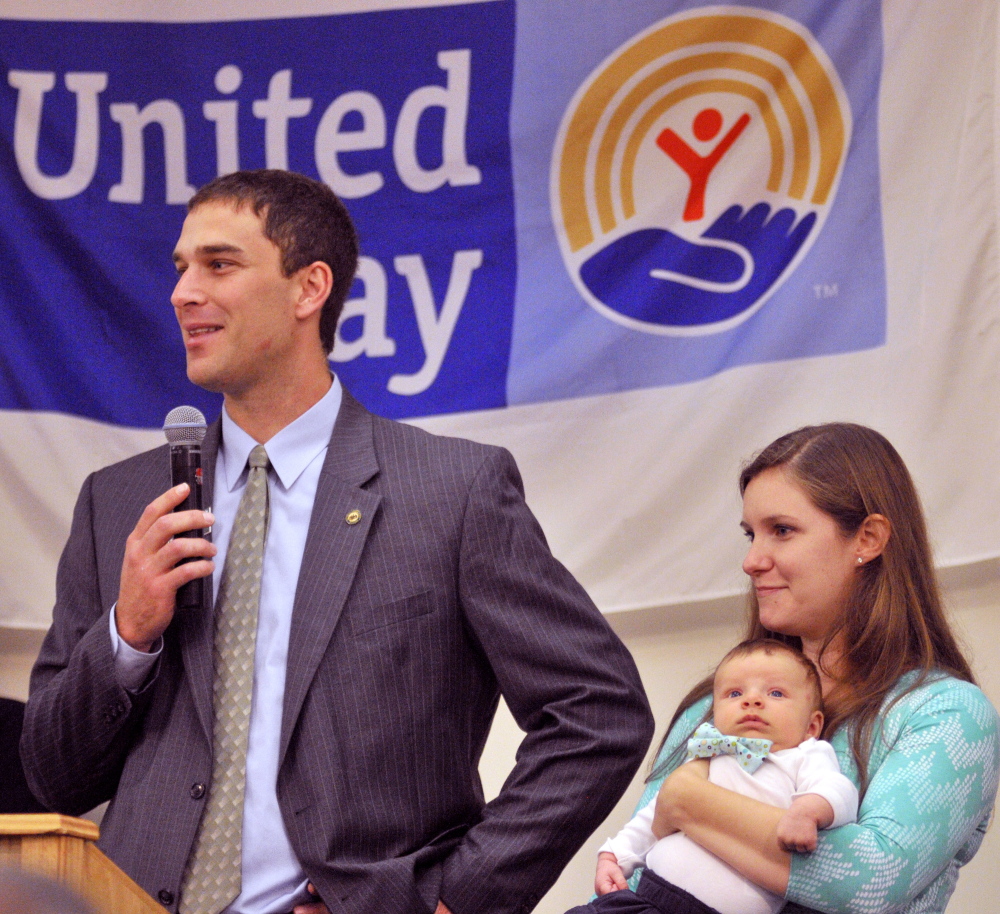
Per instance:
(195,628)
(338,529)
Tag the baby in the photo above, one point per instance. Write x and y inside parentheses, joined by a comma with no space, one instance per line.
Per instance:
(766,702)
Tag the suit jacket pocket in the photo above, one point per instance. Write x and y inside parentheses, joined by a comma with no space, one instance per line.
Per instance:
(361,618)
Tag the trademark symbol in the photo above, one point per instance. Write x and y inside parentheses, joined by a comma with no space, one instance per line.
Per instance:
(826,290)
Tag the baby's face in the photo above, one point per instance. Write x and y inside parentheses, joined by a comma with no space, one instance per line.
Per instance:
(766,697)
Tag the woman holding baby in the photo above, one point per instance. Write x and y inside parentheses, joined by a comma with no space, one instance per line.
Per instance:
(841,568)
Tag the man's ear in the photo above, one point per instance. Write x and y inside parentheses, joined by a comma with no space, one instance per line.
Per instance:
(315,283)
(872,537)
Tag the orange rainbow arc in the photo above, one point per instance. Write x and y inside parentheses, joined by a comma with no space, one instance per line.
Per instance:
(734,53)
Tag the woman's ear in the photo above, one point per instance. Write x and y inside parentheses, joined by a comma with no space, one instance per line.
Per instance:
(872,537)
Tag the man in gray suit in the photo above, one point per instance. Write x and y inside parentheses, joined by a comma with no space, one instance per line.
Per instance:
(405,586)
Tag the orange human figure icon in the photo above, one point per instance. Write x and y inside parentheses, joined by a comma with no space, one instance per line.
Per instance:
(706,126)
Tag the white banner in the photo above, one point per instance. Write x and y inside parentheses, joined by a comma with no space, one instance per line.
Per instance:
(629,415)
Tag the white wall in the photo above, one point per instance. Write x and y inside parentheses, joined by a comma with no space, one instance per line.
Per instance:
(673,648)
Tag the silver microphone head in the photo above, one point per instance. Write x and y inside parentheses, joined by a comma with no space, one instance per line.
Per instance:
(185,425)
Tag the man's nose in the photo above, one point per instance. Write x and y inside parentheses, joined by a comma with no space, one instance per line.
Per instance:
(186,290)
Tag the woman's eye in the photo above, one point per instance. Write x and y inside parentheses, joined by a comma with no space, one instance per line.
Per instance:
(782,529)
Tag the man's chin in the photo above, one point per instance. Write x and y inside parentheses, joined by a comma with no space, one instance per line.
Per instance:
(206,380)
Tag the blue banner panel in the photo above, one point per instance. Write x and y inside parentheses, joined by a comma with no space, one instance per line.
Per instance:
(107,128)
(557,200)
(700,190)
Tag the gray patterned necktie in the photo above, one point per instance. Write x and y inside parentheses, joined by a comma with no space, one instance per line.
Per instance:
(213,876)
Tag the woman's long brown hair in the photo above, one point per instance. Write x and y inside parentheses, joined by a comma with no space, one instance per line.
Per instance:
(893,622)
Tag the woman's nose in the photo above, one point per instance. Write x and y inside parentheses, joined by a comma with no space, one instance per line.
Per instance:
(756,559)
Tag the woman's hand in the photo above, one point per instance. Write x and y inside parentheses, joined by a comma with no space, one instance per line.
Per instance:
(676,787)
(610,877)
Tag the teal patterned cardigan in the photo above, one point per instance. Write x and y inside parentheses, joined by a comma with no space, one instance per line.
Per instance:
(933,774)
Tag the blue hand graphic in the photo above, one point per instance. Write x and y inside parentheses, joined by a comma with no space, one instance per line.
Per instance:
(621,274)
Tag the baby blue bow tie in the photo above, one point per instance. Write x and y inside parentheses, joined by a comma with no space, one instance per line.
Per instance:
(707,742)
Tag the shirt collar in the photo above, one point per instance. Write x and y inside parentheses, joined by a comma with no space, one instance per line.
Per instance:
(291,450)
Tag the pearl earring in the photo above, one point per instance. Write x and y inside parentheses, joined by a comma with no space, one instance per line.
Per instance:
(861,561)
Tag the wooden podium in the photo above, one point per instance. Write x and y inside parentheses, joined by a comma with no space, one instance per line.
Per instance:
(63,849)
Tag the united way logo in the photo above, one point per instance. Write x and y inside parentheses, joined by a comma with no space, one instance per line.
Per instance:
(695,168)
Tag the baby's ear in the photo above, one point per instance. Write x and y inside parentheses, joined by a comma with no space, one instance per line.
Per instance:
(815,724)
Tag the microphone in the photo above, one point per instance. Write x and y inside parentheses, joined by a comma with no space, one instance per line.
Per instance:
(185,430)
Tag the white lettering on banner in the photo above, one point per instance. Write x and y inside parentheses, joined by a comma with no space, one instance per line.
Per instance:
(31,88)
(371,308)
(224,116)
(435,331)
(277,110)
(133,122)
(436,326)
(454,168)
(331,140)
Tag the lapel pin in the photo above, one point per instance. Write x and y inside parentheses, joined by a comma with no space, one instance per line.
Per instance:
(353,516)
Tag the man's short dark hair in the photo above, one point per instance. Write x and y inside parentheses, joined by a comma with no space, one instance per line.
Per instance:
(307,222)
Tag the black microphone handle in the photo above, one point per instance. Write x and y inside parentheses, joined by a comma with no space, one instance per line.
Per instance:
(185,466)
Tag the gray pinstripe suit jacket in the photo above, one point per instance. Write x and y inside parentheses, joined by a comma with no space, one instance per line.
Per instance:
(406,628)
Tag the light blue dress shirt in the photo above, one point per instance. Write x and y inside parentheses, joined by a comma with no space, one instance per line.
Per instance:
(273,880)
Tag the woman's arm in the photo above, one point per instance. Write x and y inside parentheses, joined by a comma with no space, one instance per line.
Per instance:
(669,757)
(933,779)
(739,830)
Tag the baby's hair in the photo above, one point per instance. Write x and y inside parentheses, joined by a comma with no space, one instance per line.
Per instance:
(705,688)
(771,646)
